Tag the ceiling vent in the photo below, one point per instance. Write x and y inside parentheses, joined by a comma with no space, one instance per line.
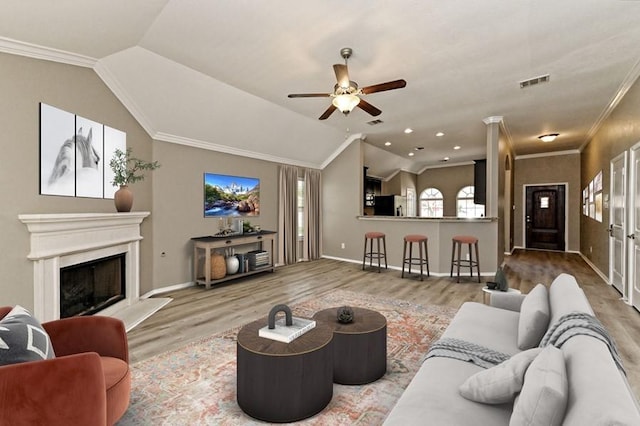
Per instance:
(534,81)
(374,122)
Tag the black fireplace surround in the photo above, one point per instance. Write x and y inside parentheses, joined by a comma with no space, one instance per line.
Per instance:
(89,287)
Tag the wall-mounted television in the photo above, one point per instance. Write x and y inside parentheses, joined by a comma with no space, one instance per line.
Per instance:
(226,195)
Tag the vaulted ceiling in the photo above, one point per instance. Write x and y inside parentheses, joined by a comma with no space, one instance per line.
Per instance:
(216,74)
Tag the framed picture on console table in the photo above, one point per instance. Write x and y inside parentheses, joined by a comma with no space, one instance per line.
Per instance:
(226,195)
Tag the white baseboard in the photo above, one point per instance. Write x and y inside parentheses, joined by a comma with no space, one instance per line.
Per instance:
(604,277)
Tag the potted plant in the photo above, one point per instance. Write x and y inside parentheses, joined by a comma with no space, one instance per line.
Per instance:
(127,169)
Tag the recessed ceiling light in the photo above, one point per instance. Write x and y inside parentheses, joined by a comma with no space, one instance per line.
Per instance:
(456,147)
(387,143)
(445,159)
(411,154)
(548,137)
(418,148)
(408,130)
(439,134)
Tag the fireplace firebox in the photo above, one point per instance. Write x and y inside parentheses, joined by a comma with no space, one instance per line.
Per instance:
(89,287)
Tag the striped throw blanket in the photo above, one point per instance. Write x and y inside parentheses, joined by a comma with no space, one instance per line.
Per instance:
(466,351)
(580,323)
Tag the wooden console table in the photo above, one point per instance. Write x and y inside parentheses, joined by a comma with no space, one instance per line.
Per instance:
(203,247)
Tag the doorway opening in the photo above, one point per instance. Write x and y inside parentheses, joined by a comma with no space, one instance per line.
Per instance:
(545,217)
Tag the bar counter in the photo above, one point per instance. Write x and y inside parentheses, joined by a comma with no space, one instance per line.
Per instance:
(439,231)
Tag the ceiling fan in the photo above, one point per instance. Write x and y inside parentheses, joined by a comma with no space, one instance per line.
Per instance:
(346,94)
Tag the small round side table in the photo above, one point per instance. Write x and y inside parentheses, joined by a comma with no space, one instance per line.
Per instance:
(487,292)
(284,382)
(359,347)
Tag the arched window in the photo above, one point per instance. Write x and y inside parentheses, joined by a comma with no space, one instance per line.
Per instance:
(465,205)
(431,203)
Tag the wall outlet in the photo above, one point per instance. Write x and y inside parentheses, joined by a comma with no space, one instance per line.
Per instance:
(342,245)
(590,249)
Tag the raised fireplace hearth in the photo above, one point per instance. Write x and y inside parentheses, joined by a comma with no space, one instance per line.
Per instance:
(62,241)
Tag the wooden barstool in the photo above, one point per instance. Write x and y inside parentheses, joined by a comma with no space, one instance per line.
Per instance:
(423,260)
(370,236)
(458,241)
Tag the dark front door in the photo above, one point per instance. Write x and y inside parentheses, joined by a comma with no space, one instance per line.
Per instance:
(545,217)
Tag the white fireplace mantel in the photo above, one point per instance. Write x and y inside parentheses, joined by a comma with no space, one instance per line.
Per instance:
(60,240)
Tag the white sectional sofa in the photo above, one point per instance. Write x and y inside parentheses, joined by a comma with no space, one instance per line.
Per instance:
(578,384)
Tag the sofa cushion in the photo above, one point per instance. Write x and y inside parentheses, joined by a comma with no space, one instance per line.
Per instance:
(23,339)
(432,398)
(565,296)
(486,326)
(598,392)
(499,384)
(534,317)
(544,395)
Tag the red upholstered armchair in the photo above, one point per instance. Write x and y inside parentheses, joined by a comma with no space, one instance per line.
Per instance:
(87,383)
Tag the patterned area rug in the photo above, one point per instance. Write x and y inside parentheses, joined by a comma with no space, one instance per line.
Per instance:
(196,385)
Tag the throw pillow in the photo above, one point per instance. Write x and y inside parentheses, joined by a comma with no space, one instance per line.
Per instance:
(545,392)
(499,384)
(22,338)
(534,317)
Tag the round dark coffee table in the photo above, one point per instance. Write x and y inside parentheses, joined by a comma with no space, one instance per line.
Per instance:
(359,348)
(284,382)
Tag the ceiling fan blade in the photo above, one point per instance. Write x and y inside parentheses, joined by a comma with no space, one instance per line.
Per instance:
(342,75)
(389,85)
(308,95)
(328,112)
(366,106)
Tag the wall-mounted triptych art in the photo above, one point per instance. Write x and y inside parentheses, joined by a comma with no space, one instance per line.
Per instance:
(592,198)
(75,154)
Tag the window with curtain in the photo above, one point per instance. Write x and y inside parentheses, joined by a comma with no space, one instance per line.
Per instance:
(299,212)
(431,203)
(465,205)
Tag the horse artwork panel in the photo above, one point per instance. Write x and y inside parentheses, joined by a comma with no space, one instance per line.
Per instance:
(89,158)
(57,151)
(73,154)
(113,139)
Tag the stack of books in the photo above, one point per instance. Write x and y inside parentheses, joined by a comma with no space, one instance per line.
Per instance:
(258,259)
(285,333)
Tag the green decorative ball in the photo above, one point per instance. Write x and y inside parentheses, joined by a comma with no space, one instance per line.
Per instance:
(345,314)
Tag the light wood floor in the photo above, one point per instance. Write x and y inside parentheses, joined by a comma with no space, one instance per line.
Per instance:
(195,312)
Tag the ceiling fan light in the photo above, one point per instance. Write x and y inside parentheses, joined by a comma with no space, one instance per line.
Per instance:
(549,137)
(345,103)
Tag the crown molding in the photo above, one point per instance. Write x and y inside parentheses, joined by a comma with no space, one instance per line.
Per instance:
(16,47)
(493,119)
(195,143)
(123,96)
(626,84)
(548,154)
(440,166)
(342,147)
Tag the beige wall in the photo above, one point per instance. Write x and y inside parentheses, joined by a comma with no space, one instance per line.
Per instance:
(549,170)
(24,84)
(178,203)
(449,181)
(505,197)
(618,133)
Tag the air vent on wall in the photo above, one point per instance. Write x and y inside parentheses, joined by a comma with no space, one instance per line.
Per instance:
(534,81)
(374,122)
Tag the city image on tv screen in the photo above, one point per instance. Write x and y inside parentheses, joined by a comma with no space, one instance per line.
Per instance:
(226,195)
